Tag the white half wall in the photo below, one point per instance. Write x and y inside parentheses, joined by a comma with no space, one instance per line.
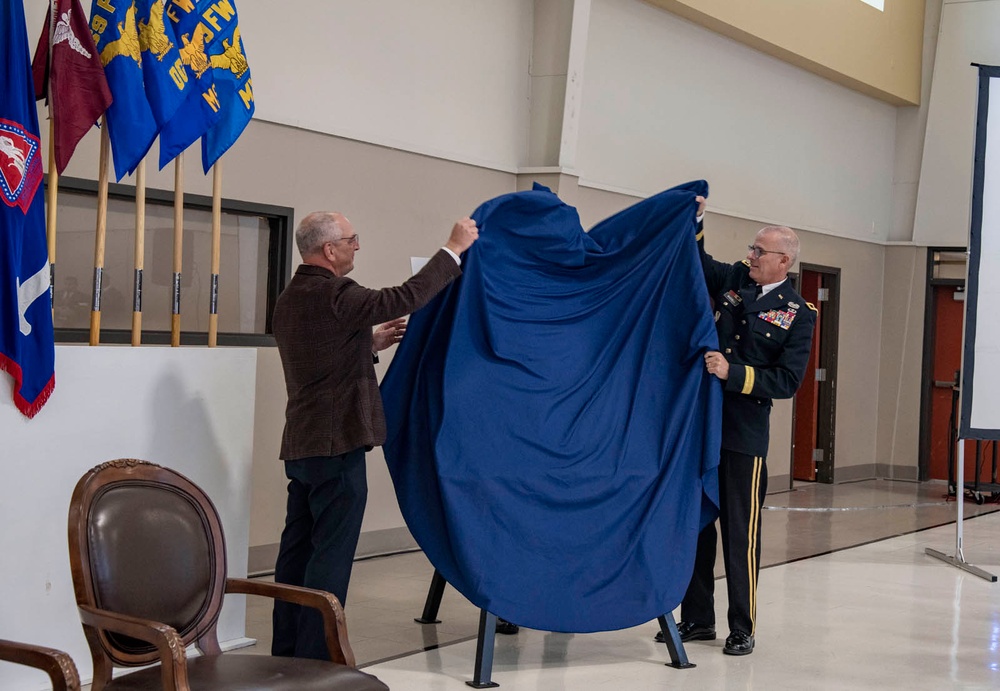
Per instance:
(190,409)
(666,101)
(969,33)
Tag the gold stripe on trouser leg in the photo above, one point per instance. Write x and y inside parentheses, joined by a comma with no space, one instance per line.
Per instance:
(753,535)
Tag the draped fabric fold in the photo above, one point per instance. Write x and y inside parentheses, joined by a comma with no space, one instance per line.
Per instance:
(553,436)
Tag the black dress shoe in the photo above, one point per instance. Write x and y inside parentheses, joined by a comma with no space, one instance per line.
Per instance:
(738,643)
(690,632)
(505,628)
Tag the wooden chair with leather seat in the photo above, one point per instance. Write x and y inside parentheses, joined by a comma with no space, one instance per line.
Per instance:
(57,664)
(149,569)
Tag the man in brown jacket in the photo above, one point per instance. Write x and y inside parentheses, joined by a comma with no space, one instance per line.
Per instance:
(323,326)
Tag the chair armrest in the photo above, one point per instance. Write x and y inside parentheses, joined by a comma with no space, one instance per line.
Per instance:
(334,621)
(57,664)
(173,659)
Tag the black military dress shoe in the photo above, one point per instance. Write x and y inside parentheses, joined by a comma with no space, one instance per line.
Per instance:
(506,628)
(690,632)
(738,643)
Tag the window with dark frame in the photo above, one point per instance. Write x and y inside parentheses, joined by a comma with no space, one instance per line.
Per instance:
(255,262)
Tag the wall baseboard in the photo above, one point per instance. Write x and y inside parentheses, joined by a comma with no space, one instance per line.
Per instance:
(374,543)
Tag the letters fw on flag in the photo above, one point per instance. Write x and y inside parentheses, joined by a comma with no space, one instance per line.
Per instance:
(221,103)
(144,70)
(79,92)
(27,348)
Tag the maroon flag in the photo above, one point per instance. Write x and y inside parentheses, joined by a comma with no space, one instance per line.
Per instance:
(73,70)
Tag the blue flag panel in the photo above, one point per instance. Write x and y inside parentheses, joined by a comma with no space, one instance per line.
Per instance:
(27,347)
(221,101)
(164,76)
(131,126)
(553,436)
(235,90)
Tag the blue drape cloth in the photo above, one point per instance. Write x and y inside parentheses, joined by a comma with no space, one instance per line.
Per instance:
(553,436)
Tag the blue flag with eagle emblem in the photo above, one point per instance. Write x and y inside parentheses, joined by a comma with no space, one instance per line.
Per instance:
(235,90)
(145,73)
(220,103)
(131,126)
(164,76)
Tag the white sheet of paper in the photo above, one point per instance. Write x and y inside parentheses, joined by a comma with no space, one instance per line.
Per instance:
(417,263)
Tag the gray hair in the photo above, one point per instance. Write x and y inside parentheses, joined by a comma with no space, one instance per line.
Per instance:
(314,230)
(787,238)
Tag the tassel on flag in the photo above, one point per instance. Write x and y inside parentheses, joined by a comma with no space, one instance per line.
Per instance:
(68,71)
(27,345)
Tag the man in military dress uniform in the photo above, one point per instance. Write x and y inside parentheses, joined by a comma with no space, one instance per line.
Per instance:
(765,336)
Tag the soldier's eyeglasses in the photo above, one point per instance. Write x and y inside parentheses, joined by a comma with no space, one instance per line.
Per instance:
(757,251)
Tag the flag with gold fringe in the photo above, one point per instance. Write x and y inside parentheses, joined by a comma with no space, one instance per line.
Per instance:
(27,346)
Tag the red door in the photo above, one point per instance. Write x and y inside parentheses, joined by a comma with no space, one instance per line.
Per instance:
(807,398)
(949,321)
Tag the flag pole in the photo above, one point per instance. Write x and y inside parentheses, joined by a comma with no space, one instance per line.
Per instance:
(213,306)
(53,190)
(175,316)
(102,223)
(140,251)
(50,212)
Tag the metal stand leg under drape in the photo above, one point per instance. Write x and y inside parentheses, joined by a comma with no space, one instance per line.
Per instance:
(678,658)
(484,652)
(488,627)
(433,602)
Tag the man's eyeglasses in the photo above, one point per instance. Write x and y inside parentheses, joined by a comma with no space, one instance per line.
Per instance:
(353,239)
(757,251)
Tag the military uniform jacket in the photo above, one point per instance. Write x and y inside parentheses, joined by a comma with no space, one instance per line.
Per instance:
(323,326)
(766,340)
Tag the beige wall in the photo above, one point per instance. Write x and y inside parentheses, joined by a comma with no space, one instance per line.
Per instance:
(403,203)
(877,399)
(877,53)
(968,34)
(665,101)
(901,355)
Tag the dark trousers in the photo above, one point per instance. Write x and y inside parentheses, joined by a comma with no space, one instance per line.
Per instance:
(326,502)
(742,486)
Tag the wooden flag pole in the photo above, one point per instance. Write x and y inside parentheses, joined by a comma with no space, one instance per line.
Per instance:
(50,211)
(102,223)
(140,251)
(213,306)
(175,315)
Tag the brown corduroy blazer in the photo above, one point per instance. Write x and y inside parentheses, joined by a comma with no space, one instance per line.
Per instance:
(323,326)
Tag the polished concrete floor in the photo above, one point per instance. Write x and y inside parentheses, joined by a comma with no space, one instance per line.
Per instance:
(847,599)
